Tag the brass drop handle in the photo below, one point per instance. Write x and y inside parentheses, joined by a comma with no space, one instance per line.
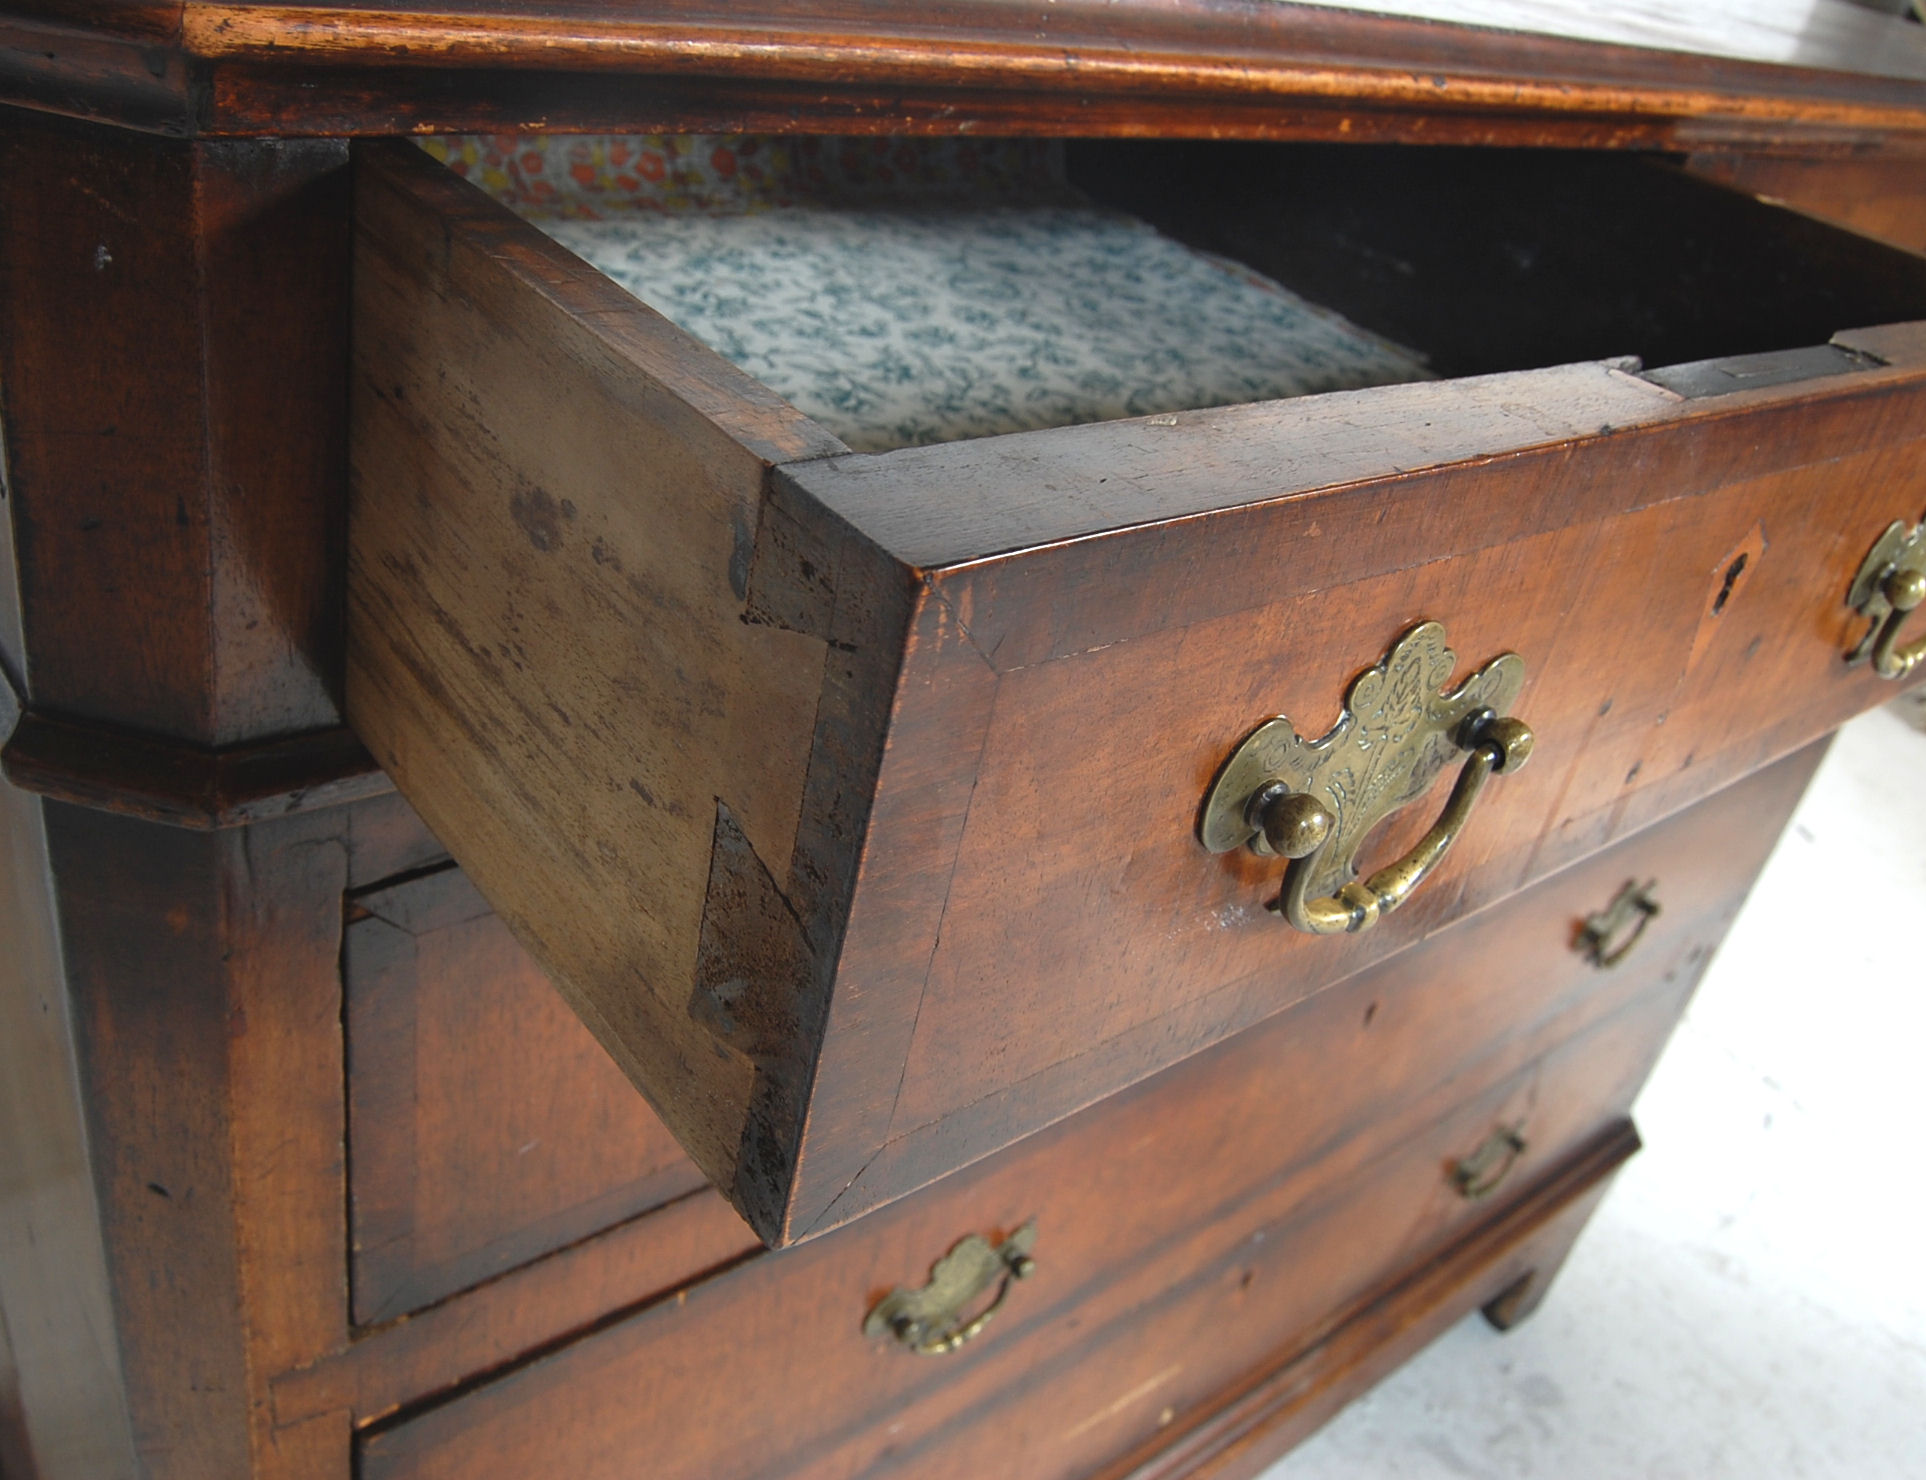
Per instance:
(1903,590)
(1605,939)
(1890,583)
(932,1319)
(1297,827)
(1479,1174)
(1315,801)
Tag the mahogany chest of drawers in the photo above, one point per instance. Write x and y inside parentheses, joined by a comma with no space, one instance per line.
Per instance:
(565,922)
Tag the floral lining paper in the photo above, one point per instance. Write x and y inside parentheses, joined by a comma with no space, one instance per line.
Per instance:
(909,291)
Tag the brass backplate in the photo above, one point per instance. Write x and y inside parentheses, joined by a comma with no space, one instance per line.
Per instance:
(1396,734)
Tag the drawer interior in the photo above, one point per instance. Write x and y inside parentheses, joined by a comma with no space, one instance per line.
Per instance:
(907,291)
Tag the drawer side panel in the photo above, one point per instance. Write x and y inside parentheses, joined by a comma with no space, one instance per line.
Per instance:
(556,520)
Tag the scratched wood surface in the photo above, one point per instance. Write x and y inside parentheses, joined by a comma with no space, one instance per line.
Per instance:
(183,397)
(1189,1231)
(143,412)
(173,362)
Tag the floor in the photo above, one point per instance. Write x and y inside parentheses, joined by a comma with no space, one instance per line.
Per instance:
(1751,1300)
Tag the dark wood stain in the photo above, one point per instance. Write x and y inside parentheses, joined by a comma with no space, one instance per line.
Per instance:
(174,344)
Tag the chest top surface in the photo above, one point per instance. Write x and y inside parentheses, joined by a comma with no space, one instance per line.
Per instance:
(1516,71)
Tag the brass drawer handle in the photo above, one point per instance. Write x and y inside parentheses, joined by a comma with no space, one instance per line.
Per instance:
(930,1320)
(1604,939)
(1314,802)
(1479,1174)
(1890,583)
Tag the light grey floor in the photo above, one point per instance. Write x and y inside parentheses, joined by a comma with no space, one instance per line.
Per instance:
(1750,1302)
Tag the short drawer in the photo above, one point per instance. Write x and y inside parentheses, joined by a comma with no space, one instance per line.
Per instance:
(1203,1223)
(486,1126)
(855,800)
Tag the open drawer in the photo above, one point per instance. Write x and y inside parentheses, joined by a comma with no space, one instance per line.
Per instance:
(858,802)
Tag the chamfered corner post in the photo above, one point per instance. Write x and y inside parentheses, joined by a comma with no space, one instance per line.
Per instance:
(173,350)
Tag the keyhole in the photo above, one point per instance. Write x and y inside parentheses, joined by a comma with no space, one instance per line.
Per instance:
(1732,574)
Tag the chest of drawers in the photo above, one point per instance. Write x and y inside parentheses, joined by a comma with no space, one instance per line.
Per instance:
(862,851)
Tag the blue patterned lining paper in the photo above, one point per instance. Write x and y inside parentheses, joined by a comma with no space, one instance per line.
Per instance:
(907,292)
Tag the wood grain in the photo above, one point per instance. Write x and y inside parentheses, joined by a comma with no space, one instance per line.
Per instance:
(1133,660)
(531,1309)
(173,360)
(1881,195)
(173,349)
(531,439)
(1134,1275)
(204,974)
(888,1426)
(189,786)
(1239,1438)
(387,838)
(348,68)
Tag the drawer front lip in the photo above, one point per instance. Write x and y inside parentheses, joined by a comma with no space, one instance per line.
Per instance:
(1430,1051)
(1013,501)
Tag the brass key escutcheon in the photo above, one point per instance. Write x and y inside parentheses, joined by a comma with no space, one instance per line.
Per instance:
(1315,801)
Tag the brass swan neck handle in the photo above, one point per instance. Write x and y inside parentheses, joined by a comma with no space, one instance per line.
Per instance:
(1903,590)
(1607,937)
(1314,802)
(1891,582)
(1290,820)
(934,1319)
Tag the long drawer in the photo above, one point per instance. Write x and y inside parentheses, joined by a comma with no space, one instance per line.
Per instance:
(865,805)
(1206,1223)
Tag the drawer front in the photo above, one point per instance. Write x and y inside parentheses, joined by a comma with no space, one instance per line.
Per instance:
(1312,1154)
(854,800)
(1136,946)
(487,1127)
